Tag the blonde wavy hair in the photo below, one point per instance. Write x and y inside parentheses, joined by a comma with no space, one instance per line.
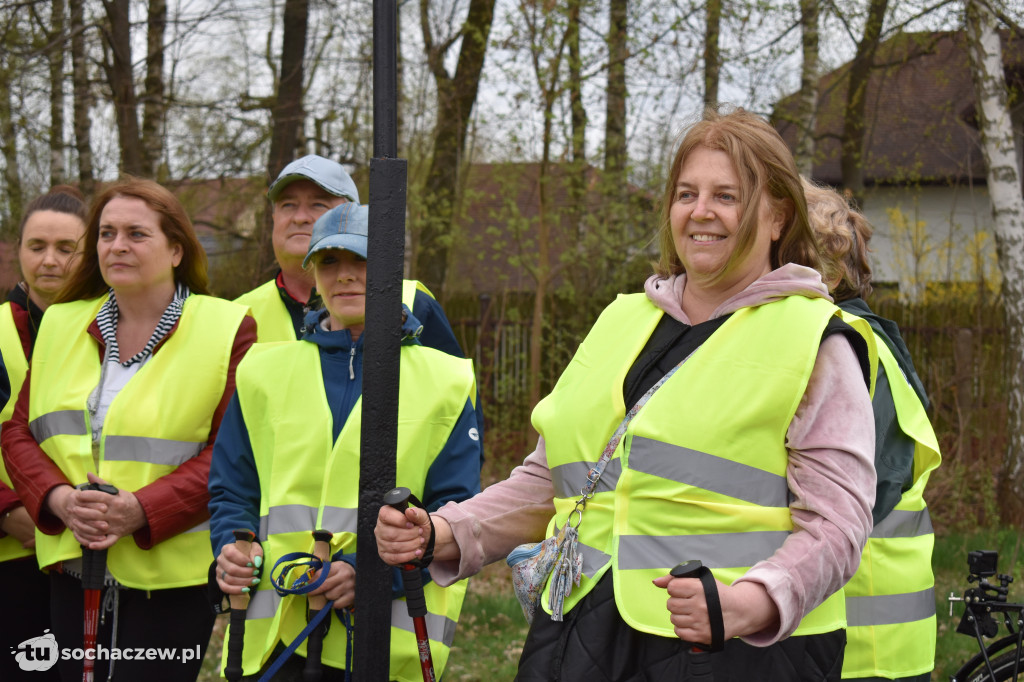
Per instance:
(843,235)
(765,168)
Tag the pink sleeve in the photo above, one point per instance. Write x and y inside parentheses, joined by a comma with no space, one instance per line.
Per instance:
(491,524)
(831,474)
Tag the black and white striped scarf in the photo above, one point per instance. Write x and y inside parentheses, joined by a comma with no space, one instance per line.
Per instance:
(107,321)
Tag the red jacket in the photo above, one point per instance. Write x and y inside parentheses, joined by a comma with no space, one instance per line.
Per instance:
(172,504)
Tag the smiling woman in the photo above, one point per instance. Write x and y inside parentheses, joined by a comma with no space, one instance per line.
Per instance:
(131,373)
(724,414)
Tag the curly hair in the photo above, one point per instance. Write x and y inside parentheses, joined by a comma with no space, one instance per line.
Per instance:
(843,235)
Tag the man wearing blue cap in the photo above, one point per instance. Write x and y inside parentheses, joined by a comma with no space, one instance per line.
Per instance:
(286,463)
(306,189)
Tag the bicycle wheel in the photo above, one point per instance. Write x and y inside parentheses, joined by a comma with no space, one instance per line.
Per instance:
(1002,666)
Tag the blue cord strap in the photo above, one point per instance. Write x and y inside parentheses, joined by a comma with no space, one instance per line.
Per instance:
(303,585)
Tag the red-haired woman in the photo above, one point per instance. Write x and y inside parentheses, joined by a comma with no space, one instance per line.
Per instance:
(132,371)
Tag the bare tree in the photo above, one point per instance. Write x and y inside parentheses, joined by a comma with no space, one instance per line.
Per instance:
(118,68)
(55,45)
(1004,185)
(712,56)
(154,104)
(82,99)
(456,96)
(615,152)
(10,65)
(807,102)
(286,112)
(854,121)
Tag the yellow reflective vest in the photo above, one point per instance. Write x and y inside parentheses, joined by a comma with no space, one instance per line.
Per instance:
(17,367)
(890,601)
(308,482)
(701,470)
(158,421)
(273,323)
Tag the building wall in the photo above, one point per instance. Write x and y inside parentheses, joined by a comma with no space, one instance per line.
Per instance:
(931,234)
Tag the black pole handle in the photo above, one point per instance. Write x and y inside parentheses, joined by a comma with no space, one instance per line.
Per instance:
(94,561)
(412,580)
(699,656)
(313,669)
(239,606)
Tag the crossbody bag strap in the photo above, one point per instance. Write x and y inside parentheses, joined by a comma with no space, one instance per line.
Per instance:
(594,475)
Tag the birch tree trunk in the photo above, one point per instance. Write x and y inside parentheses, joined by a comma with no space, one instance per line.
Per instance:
(807,103)
(1004,186)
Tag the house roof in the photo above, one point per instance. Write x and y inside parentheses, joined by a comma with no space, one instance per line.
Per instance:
(921,120)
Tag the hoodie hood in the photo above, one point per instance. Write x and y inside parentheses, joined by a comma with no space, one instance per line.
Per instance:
(314,330)
(789,280)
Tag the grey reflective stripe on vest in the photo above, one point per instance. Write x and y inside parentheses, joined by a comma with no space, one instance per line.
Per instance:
(339,519)
(890,609)
(439,628)
(904,524)
(60,423)
(715,550)
(569,479)
(204,526)
(708,472)
(263,604)
(288,518)
(149,450)
(593,559)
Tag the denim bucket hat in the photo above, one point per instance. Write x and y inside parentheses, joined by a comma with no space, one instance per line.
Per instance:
(343,227)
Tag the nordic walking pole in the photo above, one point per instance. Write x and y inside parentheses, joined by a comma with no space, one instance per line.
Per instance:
(412,582)
(94,569)
(239,606)
(313,670)
(698,667)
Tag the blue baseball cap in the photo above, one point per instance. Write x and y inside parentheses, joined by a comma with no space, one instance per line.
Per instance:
(343,227)
(327,174)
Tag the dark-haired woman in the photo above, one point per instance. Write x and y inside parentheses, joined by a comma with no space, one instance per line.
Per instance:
(132,371)
(49,238)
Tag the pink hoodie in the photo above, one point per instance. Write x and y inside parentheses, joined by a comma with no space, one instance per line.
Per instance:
(831,474)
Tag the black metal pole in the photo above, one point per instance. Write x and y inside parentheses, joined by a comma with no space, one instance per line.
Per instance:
(379,429)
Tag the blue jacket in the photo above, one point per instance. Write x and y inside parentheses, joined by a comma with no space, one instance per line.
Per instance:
(234,483)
